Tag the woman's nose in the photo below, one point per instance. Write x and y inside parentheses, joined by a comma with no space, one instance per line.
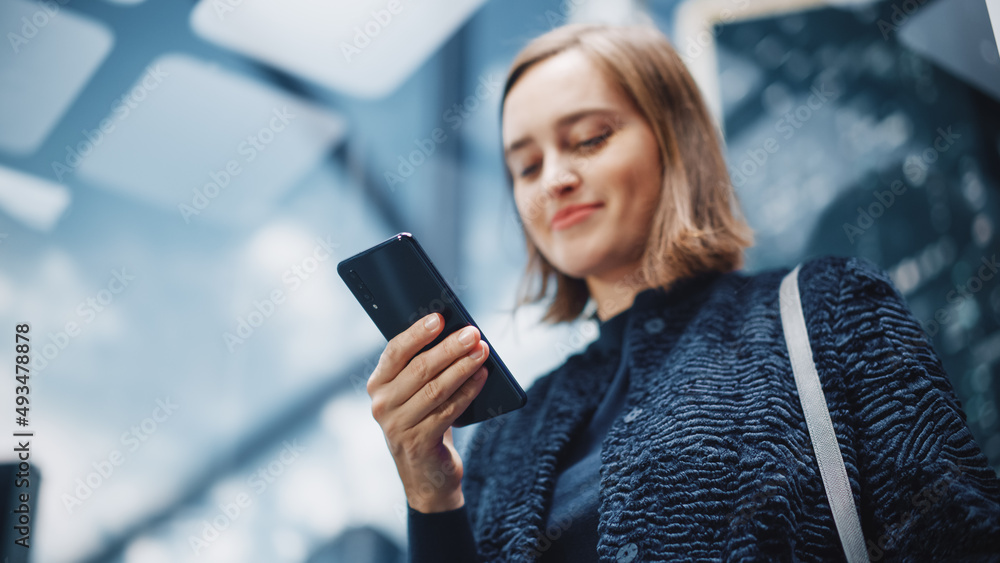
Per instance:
(563,177)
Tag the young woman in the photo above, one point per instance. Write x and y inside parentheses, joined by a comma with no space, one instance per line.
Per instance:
(678,433)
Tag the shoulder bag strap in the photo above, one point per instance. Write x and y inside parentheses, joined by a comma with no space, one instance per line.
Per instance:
(821,433)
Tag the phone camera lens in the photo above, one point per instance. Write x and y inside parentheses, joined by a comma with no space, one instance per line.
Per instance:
(367,296)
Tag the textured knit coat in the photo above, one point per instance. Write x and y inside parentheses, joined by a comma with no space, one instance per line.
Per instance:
(710,459)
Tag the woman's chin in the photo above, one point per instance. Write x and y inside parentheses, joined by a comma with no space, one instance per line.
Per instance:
(577,266)
(582,253)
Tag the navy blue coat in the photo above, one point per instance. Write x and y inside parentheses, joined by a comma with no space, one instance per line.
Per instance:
(710,458)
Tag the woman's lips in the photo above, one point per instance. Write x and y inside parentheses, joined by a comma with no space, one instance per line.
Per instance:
(574,217)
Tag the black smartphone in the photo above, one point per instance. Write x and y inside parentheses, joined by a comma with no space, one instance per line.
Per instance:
(397,284)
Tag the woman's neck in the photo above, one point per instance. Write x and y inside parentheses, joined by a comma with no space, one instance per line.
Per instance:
(614,292)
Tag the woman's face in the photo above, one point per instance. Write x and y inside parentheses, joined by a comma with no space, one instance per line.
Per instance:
(571,137)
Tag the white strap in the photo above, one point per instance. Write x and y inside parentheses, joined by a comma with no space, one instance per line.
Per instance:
(824,439)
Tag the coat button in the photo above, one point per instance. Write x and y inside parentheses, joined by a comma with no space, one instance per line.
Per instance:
(628,553)
(654,325)
(633,414)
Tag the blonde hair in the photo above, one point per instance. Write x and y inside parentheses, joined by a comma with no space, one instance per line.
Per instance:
(698,226)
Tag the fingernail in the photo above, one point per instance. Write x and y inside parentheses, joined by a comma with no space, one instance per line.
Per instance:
(481,374)
(478,353)
(432,322)
(467,334)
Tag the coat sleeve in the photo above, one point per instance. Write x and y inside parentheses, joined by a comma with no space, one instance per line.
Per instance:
(448,536)
(440,536)
(927,491)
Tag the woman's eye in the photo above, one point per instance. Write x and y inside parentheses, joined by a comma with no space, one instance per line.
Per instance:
(595,141)
(590,143)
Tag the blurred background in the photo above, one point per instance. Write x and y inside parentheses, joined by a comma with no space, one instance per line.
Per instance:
(178,181)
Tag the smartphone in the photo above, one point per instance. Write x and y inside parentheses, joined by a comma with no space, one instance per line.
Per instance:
(397,284)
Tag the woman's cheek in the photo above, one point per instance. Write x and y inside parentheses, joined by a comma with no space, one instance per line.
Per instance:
(532,210)
(519,202)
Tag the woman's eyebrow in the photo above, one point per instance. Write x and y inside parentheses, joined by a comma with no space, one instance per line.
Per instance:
(563,121)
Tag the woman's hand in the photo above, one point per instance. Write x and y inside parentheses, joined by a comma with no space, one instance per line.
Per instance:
(416,401)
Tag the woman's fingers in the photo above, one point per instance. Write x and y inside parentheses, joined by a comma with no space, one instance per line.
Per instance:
(440,419)
(438,390)
(401,349)
(419,376)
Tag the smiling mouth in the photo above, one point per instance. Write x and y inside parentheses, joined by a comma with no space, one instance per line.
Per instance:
(574,217)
